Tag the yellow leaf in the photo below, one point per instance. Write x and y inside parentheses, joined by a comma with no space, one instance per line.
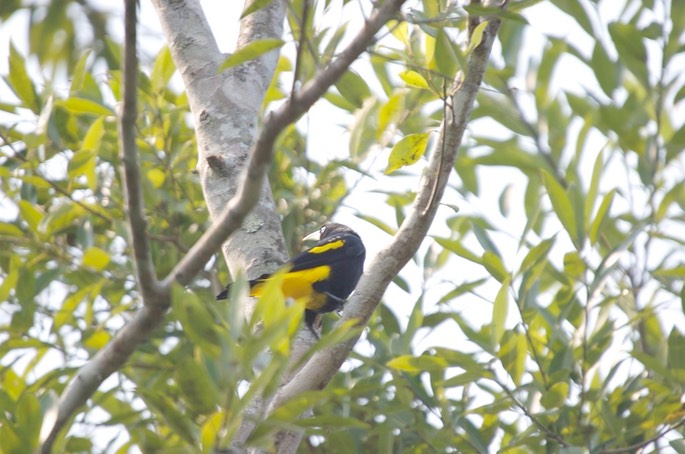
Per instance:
(95,258)
(407,151)
(156,177)
(97,340)
(414,79)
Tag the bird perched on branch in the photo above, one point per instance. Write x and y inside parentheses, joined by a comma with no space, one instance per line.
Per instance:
(324,275)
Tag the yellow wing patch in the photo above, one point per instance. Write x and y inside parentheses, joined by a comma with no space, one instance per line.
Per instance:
(327,247)
(298,285)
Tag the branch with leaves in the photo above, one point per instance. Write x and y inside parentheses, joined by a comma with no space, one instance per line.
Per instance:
(390,260)
(156,297)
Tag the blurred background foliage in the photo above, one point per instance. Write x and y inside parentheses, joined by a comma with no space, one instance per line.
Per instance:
(543,313)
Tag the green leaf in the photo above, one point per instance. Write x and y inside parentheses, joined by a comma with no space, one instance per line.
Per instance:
(631,49)
(20,82)
(676,350)
(499,312)
(400,30)
(31,214)
(414,323)
(168,410)
(414,79)
(512,352)
(200,326)
(61,218)
(65,314)
(456,247)
(537,254)
(495,267)
(606,70)
(79,73)
(256,5)
(500,109)
(353,88)
(7,229)
(678,445)
(595,228)
(11,279)
(561,203)
(198,389)
(78,444)
(29,419)
(389,112)
(416,364)
(574,266)
(93,138)
(362,132)
(163,69)
(575,9)
(653,364)
(251,51)
(445,55)
(591,196)
(407,151)
(84,162)
(555,396)
(82,106)
(476,37)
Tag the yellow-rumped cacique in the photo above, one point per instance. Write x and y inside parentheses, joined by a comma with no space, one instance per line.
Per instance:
(324,275)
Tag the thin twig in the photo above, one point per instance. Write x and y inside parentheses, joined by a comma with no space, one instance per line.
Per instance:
(390,260)
(18,156)
(300,45)
(550,433)
(638,446)
(128,151)
(119,349)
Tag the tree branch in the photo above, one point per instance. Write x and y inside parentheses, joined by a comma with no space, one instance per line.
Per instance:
(316,374)
(115,354)
(128,153)
(91,375)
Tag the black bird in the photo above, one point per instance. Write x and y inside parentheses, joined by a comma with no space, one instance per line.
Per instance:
(324,275)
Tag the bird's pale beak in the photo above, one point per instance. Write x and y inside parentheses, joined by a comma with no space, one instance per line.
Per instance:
(314,236)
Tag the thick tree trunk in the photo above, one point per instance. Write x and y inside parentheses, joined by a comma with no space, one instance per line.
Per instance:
(226,109)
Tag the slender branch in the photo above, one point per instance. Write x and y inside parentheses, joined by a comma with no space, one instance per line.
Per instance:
(316,374)
(18,156)
(95,371)
(133,192)
(550,434)
(636,447)
(300,45)
(115,354)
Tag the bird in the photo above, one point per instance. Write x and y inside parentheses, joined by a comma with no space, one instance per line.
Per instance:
(323,276)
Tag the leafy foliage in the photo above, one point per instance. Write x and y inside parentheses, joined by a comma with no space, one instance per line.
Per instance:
(547,312)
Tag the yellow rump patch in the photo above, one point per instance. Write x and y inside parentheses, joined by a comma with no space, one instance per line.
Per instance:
(327,247)
(298,285)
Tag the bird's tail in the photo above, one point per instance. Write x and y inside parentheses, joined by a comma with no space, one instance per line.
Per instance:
(225,292)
